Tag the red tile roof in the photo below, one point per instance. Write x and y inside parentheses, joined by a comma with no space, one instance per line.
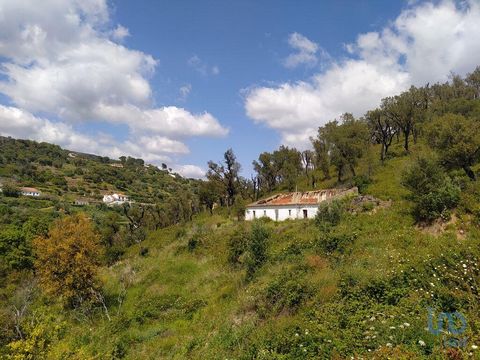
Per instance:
(302,198)
(29,189)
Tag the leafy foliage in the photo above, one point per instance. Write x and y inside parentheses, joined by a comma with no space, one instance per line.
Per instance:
(67,261)
(457,140)
(432,191)
(329,214)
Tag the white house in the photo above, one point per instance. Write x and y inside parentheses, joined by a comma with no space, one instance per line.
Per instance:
(115,199)
(296,205)
(28,191)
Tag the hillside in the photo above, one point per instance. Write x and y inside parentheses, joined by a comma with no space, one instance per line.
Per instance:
(392,273)
(365,292)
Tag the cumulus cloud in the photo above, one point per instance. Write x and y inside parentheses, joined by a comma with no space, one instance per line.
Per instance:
(190,171)
(305,51)
(19,123)
(64,60)
(423,44)
(120,33)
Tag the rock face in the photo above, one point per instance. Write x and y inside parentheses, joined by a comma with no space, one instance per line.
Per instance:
(364,203)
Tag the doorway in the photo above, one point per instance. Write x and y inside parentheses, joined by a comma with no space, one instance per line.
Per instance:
(305,213)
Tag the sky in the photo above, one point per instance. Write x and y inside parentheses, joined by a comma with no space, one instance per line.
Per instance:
(179,82)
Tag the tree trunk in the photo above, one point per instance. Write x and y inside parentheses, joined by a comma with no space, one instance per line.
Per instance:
(352,169)
(407,135)
(470,173)
(340,171)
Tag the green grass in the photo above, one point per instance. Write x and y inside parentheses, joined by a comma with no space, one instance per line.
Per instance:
(303,303)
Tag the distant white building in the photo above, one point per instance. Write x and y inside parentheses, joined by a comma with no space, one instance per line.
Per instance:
(115,199)
(296,205)
(28,191)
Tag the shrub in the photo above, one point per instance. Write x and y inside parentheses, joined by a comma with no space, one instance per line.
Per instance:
(433,193)
(237,245)
(287,292)
(257,248)
(192,243)
(238,208)
(68,260)
(330,243)
(437,203)
(361,182)
(329,214)
(10,190)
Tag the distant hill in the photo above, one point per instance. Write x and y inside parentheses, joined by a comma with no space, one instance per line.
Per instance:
(71,174)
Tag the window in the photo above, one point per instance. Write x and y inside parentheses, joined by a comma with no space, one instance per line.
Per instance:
(276,214)
(254,214)
(264,212)
(305,213)
(289,212)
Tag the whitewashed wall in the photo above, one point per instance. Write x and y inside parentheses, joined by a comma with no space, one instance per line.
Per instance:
(280,213)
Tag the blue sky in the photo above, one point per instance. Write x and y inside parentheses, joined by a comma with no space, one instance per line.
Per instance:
(181,81)
(247,40)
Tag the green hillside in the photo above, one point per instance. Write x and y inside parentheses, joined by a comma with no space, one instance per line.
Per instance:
(184,299)
(390,274)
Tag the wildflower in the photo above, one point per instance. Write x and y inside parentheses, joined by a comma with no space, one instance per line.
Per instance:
(389,345)
(421,342)
(406,324)
(296,334)
(474,347)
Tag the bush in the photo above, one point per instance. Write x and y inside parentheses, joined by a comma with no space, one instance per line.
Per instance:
(438,203)
(361,182)
(330,243)
(10,190)
(257,248)
(329,214)
(192,243)
(288,292)
(237,245)
(433,193)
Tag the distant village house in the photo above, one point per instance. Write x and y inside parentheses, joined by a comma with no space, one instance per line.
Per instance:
(117,165)
(115,199)
(28,191)
(295,205)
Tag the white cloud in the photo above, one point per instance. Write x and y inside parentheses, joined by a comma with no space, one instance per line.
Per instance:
(184,92)
(202,67)
(19,123)
(305,51)
(190,171)
(63,60)
(424,44)
(120,33)
(168,120)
